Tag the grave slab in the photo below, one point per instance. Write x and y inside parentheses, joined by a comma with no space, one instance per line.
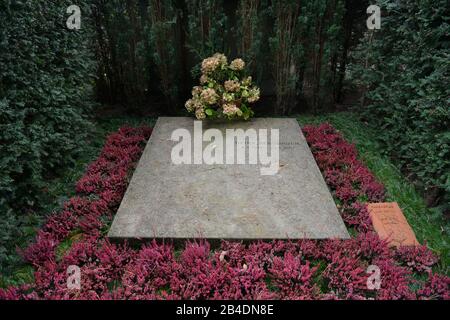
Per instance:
(227,201)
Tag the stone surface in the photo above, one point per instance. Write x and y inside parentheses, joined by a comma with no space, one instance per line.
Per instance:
(226,201)
(390,224)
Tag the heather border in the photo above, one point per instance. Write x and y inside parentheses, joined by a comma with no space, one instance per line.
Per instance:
(306,269)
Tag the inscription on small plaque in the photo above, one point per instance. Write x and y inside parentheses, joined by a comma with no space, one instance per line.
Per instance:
(390,224)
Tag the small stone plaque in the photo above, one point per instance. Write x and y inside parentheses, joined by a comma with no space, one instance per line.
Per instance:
(227,201)
(390,224)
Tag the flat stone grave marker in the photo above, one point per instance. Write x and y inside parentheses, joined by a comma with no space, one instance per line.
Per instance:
(227,201)
(390,224)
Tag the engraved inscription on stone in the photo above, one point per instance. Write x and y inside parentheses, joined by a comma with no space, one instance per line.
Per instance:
(390,223)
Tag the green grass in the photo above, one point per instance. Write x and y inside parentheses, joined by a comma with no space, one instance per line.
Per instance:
(428,224)
(112,124)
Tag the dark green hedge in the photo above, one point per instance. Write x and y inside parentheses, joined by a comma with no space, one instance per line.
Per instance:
(407,72)
(46,74)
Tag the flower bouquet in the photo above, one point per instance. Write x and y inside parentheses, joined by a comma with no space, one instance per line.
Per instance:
(225,92)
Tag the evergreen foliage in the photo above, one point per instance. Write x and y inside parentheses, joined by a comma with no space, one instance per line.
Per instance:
(46,77)
(406,70)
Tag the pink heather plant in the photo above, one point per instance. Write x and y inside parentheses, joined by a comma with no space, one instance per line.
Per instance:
(294,278)
(419,259)
(436,287)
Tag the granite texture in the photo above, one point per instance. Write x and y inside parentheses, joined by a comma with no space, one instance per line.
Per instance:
(234,202)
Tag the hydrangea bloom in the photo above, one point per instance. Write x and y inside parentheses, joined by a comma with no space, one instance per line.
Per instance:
(224,91)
